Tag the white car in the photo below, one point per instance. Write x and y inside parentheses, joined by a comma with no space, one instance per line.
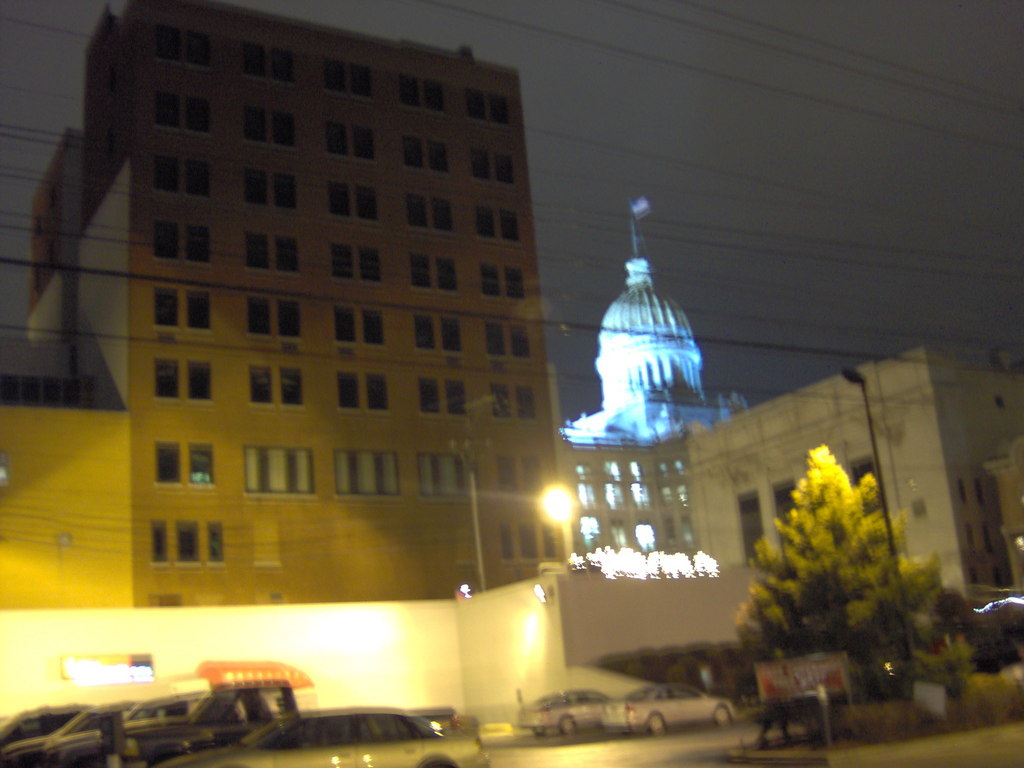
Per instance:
(564,712)
(656,708)
(344,738)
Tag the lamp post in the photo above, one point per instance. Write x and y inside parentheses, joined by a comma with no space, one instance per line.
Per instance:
(855,377)
(557,504)
(465,451)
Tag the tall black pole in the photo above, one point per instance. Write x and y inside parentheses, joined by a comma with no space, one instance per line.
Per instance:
(854,377)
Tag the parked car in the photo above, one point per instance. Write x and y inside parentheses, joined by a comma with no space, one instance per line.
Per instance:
(177,706)
(78,736)
(655,708)
(33,723)
(563,712)
(345,738)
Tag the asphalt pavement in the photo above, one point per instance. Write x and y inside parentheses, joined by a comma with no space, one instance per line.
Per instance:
(996,747)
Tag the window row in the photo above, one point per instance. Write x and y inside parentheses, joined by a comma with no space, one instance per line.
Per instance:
(166,303)
(173,175)
(279,469)
(508,223)
(257,252)
(169,113)
(188,545)
(167,374)
(173,44)
(167,238)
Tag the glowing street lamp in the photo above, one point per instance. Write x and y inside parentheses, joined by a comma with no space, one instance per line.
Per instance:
(557,503)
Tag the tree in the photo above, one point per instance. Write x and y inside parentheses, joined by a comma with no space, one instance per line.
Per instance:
(833,584)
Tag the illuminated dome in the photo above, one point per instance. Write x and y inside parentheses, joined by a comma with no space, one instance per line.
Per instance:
(647,347)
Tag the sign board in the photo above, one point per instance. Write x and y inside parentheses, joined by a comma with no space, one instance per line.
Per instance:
(108,669)
(790,678)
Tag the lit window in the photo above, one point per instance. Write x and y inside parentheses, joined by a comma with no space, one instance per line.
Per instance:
(278,470)
(645,537)
(200,461)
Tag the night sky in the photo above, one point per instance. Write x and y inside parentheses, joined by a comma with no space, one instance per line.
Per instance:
(829,182)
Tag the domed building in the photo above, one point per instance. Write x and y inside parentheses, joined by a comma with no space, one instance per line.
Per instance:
(627,460)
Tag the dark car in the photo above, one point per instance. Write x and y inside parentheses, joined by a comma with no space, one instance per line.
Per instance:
(33,723)
(78,736)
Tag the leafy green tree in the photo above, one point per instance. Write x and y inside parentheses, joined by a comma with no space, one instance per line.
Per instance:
(832,585)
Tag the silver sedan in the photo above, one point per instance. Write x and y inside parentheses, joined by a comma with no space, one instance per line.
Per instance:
(655,708)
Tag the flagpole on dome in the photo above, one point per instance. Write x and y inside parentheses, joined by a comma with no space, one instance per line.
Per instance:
(639,207)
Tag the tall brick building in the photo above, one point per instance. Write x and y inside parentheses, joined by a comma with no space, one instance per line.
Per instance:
(308,275)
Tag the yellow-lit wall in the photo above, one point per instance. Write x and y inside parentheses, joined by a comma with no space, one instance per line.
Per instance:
(65,515)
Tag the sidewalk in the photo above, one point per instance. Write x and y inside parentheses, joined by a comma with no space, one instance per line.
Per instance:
(996,747)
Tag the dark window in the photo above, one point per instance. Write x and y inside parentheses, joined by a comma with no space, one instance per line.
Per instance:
(334,75)
(442,213)
(499,109)
(348,390)
(495,336)
(424,331)
(373,327)
(284,190)
(199,381)
(281,66)
(259,384)
(503,168)
(198,309)
(451,337)
(197,178)
(500,406)
(168,463)
(525,408)
(167,110)
(369,264)
(362,142)
(341,260)
(337,139)
(490,284)
(506,473)
(429,396)
(344,324)
(214,532)
(188,541)
(416,210)
(376,392)
(412,151)
(291,386)
(419,269)
(254,59)
(479,164)
(255,186)
(475,104)
(168,42)
(527,541)
(455,397)
(165,173)
(409,90)
(507,549)
(446,274)
(283,128)
(337,198)
(288,317)
(197,48)
(484,221)
(166,381)
(197,114)
(197,243)
(437,156)
(361,81)
(287,254)
(366,203)
(165,306)
(258,315)
(519,341)
(165,239)
(750,522)
(158,530)
(509,225)
(254,126)
(433,95)
(514,283)
(257,251)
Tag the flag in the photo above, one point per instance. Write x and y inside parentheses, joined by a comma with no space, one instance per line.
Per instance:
(640,207)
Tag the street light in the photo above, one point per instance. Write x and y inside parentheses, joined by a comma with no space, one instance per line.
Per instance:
(854,377)
(465,451)
(557,504)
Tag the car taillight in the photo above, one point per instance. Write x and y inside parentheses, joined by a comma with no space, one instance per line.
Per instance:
(630,712)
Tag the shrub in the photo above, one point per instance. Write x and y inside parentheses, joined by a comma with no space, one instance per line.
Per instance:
(987,700)
(950,667)
(877,722)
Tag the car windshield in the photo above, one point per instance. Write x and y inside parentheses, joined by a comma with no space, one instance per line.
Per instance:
(551,700)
